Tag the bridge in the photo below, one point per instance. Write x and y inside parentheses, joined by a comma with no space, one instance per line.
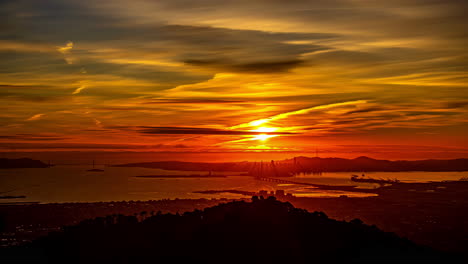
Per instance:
(269,179)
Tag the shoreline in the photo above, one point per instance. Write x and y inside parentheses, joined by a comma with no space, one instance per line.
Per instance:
(180,176)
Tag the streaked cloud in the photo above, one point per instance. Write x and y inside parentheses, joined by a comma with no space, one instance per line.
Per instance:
(193,101)
(199,131)
(80,88)
(260,122)
(215,74)
(35,117)
(66,50)
(34,137)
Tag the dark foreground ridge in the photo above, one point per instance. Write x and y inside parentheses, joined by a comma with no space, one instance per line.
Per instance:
(261,231)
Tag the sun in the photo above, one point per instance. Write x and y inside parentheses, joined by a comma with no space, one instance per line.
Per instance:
(263,137)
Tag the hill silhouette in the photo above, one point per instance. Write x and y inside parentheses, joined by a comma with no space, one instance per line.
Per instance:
(21,163)
(261,231)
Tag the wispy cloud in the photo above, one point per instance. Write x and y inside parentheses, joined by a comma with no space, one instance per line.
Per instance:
(98,123)
(193,101)
(35,117)
(33,137)
(259,122)
(66,50)
(83,85)
(230,70)
(198,131)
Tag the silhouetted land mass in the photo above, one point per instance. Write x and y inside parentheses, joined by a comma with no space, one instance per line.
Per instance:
(23,222)
(181,176)
(12,196)
(357,178)
(261,231)
(21,163)
(96,170)
(396,189)
(445,190)
(227,191)
(432,214)
(288,167)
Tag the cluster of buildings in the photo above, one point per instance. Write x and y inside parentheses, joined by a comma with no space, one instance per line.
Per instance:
(280,194)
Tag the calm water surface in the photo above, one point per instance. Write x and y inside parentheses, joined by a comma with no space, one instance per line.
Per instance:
(73,183)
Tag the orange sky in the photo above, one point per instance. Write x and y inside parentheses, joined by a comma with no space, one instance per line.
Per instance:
(342,76)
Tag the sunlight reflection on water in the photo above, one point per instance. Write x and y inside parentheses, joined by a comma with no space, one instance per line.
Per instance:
(76,184)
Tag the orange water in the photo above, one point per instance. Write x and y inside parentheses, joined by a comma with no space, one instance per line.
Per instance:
(76,184)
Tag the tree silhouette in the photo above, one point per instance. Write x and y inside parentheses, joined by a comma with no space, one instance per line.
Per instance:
(262,231)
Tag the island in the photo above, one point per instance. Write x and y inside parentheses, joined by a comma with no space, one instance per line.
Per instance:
(21,163)
(180,176)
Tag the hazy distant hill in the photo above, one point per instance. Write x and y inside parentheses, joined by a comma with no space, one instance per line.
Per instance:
(369,164)
(192,166)
(261,231)
(306,164)
(21,163)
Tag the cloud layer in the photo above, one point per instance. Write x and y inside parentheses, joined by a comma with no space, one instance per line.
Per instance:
(203,72)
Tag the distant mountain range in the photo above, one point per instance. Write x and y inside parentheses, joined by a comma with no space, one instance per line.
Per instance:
(316,164)
(282,167)
(21,163)
(369,164)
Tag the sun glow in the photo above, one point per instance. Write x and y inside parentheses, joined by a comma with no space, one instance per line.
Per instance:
(263,137)
(261,125)
(259,122)
(265,129)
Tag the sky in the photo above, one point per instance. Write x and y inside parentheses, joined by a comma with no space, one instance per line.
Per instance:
(338,76)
